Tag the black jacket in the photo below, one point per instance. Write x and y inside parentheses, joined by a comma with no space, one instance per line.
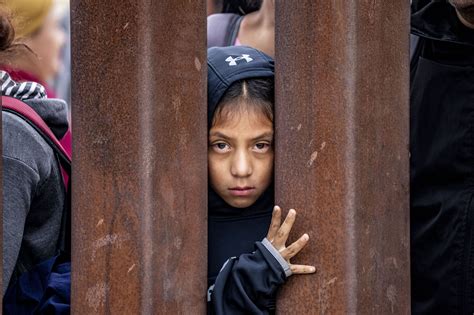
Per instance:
(244,272)
(442,161)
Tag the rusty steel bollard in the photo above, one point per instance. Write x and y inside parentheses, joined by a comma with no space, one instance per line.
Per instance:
(139,239)
(342,157)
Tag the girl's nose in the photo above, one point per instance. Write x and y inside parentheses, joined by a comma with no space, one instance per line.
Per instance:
(241,164)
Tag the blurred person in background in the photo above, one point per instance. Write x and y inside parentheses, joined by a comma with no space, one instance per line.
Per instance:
(62,81)
(255,29)
(240,7)
(442,157)
(37,25)
(36,278)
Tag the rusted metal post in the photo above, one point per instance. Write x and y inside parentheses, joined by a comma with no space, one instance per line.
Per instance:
(342,152)
(140,154)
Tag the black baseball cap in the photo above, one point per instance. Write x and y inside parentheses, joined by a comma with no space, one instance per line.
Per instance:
(226,65)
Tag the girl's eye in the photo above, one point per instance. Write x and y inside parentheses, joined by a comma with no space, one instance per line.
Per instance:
(261,147)
(221,147)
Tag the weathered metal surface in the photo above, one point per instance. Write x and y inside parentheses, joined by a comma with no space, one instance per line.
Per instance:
(140,152)
(342,152)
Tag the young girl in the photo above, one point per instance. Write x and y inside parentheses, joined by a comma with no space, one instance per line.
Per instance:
(248,258)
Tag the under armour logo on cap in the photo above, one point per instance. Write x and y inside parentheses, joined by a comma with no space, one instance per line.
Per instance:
(233,61)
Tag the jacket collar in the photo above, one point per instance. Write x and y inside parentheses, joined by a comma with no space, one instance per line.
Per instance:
(437,20)
(219,208)
(54,112)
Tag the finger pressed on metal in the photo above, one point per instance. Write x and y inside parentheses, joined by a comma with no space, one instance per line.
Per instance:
(295,247)
(275,223)
(284,230)
(302,269)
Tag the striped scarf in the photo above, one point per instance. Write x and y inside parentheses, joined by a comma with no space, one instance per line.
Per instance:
(21,90)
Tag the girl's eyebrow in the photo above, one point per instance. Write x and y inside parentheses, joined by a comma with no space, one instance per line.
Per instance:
(219,135)
(265,135)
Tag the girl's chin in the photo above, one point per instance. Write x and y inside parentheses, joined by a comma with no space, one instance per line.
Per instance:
(240,202)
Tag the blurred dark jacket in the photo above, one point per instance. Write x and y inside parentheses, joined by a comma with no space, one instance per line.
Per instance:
(442,161)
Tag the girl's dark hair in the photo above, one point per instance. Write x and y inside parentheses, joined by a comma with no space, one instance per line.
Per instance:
(254,94)
(7,33)
(241,7)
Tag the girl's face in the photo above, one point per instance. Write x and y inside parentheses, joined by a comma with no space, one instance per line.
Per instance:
(241,157)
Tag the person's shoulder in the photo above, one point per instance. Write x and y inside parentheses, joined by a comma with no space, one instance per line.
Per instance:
(21,142)
(219,21)
(222,16)
(219,28)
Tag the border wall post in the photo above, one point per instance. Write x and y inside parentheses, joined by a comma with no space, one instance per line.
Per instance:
(342,152)
(140,153)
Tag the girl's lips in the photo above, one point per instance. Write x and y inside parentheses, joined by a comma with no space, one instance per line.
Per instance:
(241,191)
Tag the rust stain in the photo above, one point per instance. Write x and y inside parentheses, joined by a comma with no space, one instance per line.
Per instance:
(131,268)
(197,64)
(100,222)
(313,158)
(96,295)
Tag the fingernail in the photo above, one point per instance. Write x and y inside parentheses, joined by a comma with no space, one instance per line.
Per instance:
(292,212)
(305,237)
(313,269)
(276,208)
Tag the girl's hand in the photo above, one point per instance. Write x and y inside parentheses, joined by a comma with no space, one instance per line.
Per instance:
(278,234)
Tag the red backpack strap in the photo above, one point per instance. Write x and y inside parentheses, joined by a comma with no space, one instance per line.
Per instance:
(22,110)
